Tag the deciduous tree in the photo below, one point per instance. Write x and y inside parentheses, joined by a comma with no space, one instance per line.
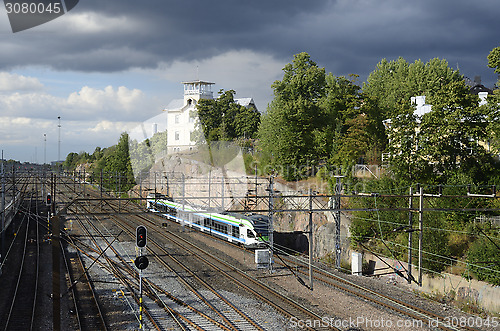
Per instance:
(293,118)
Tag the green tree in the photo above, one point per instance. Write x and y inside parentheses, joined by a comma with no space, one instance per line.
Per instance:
(451,133)
(405,161)
(71,161)
(436,242)
(117,165)
(395,82)
(362,137)
(158,144)
(292,123)
(494,61)
(447,139)
(224,119)
(493,104)
(483,257)
(143,154)
(339,105)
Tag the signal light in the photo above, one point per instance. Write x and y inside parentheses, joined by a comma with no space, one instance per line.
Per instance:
(141,262)
(49,200)
(141,236)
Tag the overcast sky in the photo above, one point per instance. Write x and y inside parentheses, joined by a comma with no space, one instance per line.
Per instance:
(106,66)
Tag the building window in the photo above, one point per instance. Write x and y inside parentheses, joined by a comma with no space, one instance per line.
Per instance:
(176,119)
(176,135)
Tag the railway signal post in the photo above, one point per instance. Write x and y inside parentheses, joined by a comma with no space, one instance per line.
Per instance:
(141,262)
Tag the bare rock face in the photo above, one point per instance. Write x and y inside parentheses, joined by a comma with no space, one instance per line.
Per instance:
(225,185)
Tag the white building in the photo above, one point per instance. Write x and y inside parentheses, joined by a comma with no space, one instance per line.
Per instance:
(181,123)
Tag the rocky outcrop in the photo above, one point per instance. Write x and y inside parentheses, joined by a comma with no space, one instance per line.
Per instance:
(189,176)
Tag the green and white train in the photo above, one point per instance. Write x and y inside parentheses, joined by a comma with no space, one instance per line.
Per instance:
(250,230)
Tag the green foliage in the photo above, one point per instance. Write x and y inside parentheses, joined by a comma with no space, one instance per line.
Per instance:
(144,154)
(484,257)
(493,104)
(362,137)
(316,119)
(435,242)
(494,59)
(369,224)
(74,159)
(115,166)
(223,119)
(406,163)
(443,141)
(451,131)
(293,119)
(395,82)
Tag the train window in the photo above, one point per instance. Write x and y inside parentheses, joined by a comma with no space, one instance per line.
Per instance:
(250,234)
(220,227)
(236,231)
(206,222)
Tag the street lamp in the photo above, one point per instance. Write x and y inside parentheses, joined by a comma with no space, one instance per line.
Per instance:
(44,149)
(59,140)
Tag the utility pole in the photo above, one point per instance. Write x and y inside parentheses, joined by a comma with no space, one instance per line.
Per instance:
(2,252)
(420,235)
(223,182)
(59,141)
(56,282)
(270,225)
(209,188)
(310,240)
(44,149)
(100,191)
(410,234)
(336,214)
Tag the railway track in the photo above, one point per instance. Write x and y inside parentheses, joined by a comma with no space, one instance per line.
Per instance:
(225,316)
(186,315)
(187,320)
(21,315)
(332,280)
(121,269)
(398,305)
(264,293)
(87,308)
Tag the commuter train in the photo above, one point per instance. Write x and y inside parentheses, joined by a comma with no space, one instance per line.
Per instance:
(250,230)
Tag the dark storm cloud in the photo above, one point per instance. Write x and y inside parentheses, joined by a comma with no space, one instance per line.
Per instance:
(162,31)
(344,36)
(462,33)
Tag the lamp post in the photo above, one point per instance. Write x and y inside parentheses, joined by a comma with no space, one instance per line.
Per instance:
(59,139)
(44,149)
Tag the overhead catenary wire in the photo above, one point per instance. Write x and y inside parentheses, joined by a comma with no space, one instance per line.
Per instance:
(440,256)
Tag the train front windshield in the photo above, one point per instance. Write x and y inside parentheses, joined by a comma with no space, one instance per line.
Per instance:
(261,225)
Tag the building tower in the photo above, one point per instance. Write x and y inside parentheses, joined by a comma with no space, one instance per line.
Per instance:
(180,122)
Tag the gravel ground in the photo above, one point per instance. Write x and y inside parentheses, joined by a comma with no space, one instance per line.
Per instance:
(341,308)
(336,307)
(107,288)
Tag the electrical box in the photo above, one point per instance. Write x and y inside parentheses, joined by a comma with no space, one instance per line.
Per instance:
(262,258)
(357,263)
